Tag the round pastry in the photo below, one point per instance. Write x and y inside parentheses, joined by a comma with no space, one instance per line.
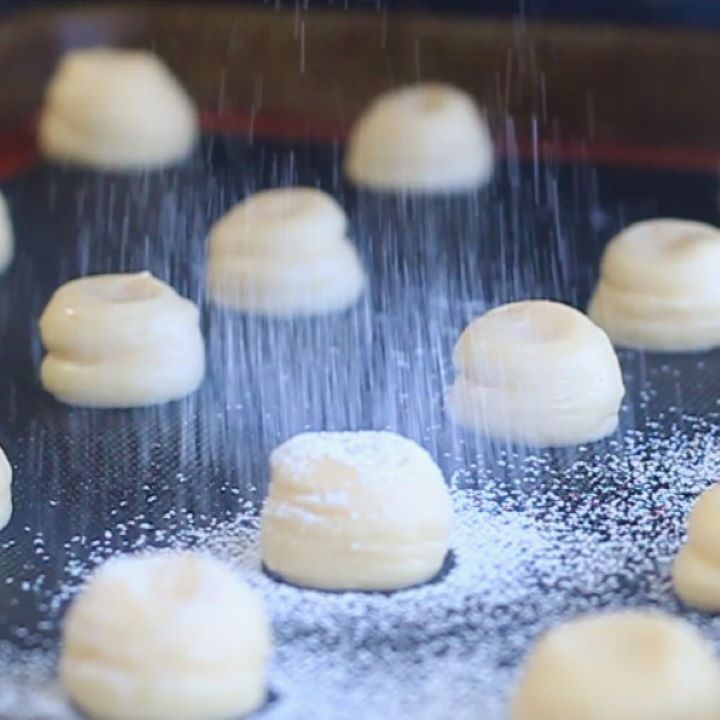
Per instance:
(355,511)
(284,252)
(536,372)
(170,636)
(421,138)
(696,572)
(116,110)
(5,490)
(658,287)
(631,665)
(123,340)
(7,243)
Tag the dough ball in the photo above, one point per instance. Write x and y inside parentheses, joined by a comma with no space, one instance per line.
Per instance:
(5,490)
(116,110)
(355,511)
(696,572)
(165,637)
(658,287)
(422,138)
(633,665)
(536,372)
(122,340)
(7,243)
(284,252)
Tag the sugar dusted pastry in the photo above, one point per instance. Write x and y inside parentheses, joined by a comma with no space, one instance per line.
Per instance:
(420,138)
(659,288)
(5,490)
(165,637)
(696,572)
(120,340)
(116,110)
(536,372)
(7,242)
(355,511)
(284,252)
(632,665)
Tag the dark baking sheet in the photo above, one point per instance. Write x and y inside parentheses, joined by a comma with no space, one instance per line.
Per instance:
(542,535)
(88,483)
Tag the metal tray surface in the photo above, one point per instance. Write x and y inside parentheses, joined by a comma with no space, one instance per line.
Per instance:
(540,535)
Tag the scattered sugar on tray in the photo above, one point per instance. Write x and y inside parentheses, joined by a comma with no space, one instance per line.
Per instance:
(28,688)
(514,538)
(538,538)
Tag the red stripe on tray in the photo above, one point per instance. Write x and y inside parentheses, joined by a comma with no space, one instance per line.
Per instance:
(272,126)
(18,150)
(697,159)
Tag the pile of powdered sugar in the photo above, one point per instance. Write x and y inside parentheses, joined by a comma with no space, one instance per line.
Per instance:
(538,538)
(374,456)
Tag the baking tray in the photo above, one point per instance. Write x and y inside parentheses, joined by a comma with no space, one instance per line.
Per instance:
(584,148)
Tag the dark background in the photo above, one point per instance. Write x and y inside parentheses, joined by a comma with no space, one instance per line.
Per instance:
(697,13)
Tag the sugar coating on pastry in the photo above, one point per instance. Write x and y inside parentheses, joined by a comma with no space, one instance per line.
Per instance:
(167,636)
(632,665)
(536,372)
(284,252)
(5,490)
(121,340)
(355,511)
(116,110)
(7,242)
(428,137)
(658,287)
(696,571)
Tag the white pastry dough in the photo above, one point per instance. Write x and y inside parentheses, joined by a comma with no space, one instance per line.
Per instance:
(659,287)
(421,138)
(7,242)
(284,252)
(5,490)
(634,665)
(536,372)
(116,110)
(355,510)
(165,637)
(696,572)
(122,340)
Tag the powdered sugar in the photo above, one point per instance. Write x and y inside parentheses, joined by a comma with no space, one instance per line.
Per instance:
(372,456)
(547,537)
